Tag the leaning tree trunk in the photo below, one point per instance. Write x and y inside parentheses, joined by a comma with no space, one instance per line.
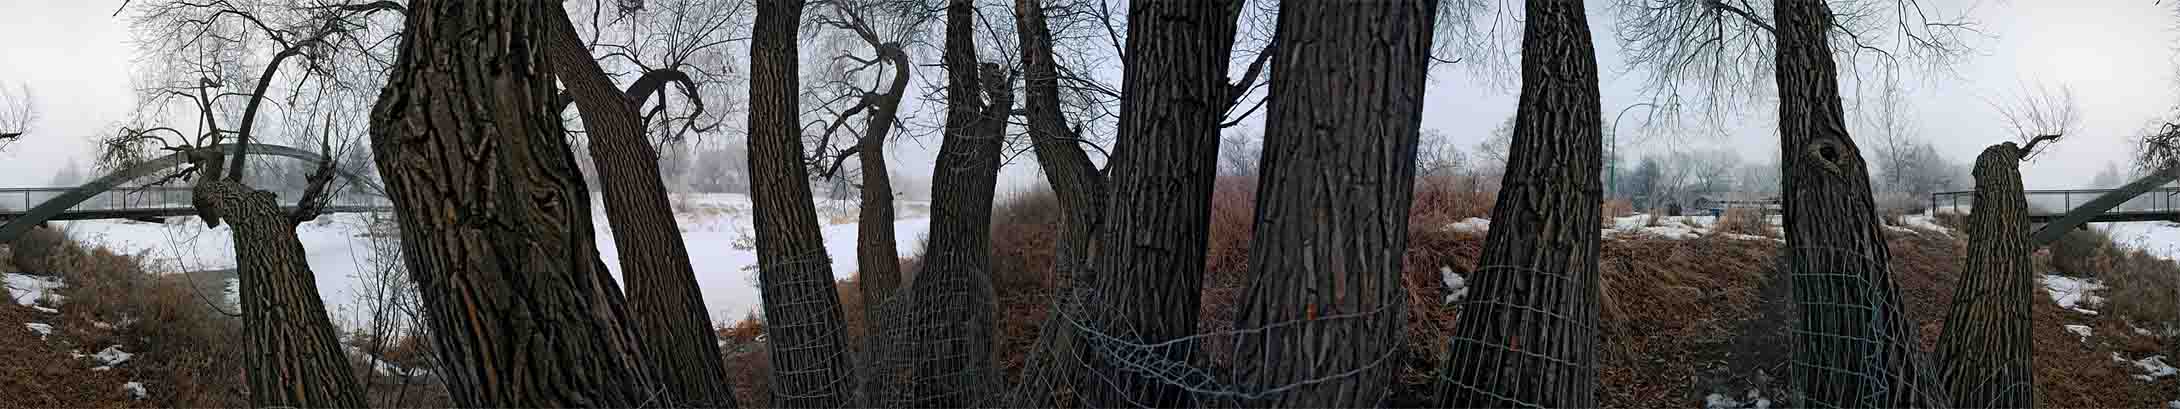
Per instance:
(877,260)
(1056,363)
(1527,333)
(668,307)
(954,363)
(1856,348)
(810,366)
(1984,351)
(295,357)
(1332,217)
(1155,225)
(495,222)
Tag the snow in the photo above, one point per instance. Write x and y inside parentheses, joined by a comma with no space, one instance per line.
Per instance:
(1456,286)
(2153,367)
(2160,239)
(2073,293)
(29,289)
(45,310)
(135,390)
(1925,222)
(1673,227)
(384,368)
(111,356)
(1472,225)
(1755,399)
(40,328)
(339,252)
(2082,330)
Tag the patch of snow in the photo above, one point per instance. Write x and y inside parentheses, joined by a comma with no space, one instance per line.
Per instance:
(135,390)
(111,356)
(1472,225)
(2073,293)
(2082,330)
(42,329)
(1456,286)
(45,310)
(2153,367)
(1925,222)
(2172,404)
(384,368)
(29,289)
(1754,400)
(2157,239)
(1720,401)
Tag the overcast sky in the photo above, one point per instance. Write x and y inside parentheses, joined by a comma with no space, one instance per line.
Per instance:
(2116,56)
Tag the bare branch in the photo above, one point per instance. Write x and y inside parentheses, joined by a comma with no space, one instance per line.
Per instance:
(18,110)
(2038,114)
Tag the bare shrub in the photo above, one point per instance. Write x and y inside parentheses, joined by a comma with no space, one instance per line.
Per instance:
(1615,208)
(1742,220)
(33,252)
(183,342)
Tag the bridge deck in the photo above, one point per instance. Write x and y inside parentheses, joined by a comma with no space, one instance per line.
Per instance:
(2114,216)
(141,203)
(147,213)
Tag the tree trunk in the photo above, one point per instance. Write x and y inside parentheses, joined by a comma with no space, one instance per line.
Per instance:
(878,263)
(495,222)
(295,357)
(1984,351)
(1856,348)
(954,363)
(1332,218)
(1527,333)
(810,366)
(668,307)
(1149,260)
(1079,187)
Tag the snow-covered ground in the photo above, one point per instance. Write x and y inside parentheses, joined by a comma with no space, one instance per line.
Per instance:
(717,228)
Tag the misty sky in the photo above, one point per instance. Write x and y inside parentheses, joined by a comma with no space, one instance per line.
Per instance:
(2116,56)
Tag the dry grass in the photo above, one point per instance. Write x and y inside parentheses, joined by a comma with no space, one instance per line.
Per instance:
(1742,220)
(1615,208)
(35,249)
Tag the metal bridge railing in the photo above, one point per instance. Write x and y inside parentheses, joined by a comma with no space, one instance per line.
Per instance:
(2059,201)
(139,197)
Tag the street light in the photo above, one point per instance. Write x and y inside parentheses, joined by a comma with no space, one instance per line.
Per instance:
(1612,147)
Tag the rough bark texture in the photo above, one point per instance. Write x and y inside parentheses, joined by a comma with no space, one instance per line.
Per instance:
(1332,214)
(1855,349)
(495,222)
(1148,257)
(668,307)
(295,357)
(810,366)
(1984,351)
(1527,334)
(1056,363)
(878,263)
(954,365)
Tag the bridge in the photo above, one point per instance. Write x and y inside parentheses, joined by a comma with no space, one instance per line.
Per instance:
(2046,206)
(39,205)
(145,203)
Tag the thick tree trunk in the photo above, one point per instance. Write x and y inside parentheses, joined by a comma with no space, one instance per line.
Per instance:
(1332,216)
(1148,256)
(810,368)
(1984,351)
(1056,364)
(878,263)
(670,319)
(1527,333)
(295,357)
(954,365)
(495,222)
(1856,349)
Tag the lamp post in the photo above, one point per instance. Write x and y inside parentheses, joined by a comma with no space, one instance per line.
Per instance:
(1612,148)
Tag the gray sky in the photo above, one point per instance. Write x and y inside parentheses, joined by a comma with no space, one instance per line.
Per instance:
(2117,56)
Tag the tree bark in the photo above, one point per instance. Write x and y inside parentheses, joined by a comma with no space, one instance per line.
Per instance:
(1079,187)
(668,306)
(1332,218)
(878,263)
(810,366)
(495,222)
(1149,258)
(295,357)
(1856,348)
(1527,333)
(1984,351)
(954,365)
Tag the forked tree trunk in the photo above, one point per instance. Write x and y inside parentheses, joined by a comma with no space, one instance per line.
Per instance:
(1056,364)
(295,357)
(1856,348)
(668,307)
(810,366)
(1155,225)
(954,365)
(878,263)
(1527,333)
(495,222)
(1332,217)
(1984,351)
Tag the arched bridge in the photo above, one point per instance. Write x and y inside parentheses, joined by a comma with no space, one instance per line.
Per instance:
(2062,210)
(39,205)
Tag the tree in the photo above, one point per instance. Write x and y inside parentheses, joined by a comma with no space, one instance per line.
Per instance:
(1154,230)
(667,306)
(955,284)
(1541,253)
(1437,155)
(18,111)
(721,168)
(1325,264)
(1078,185)
(2109,177)
(801,307)
(494,219)
(1984,353)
